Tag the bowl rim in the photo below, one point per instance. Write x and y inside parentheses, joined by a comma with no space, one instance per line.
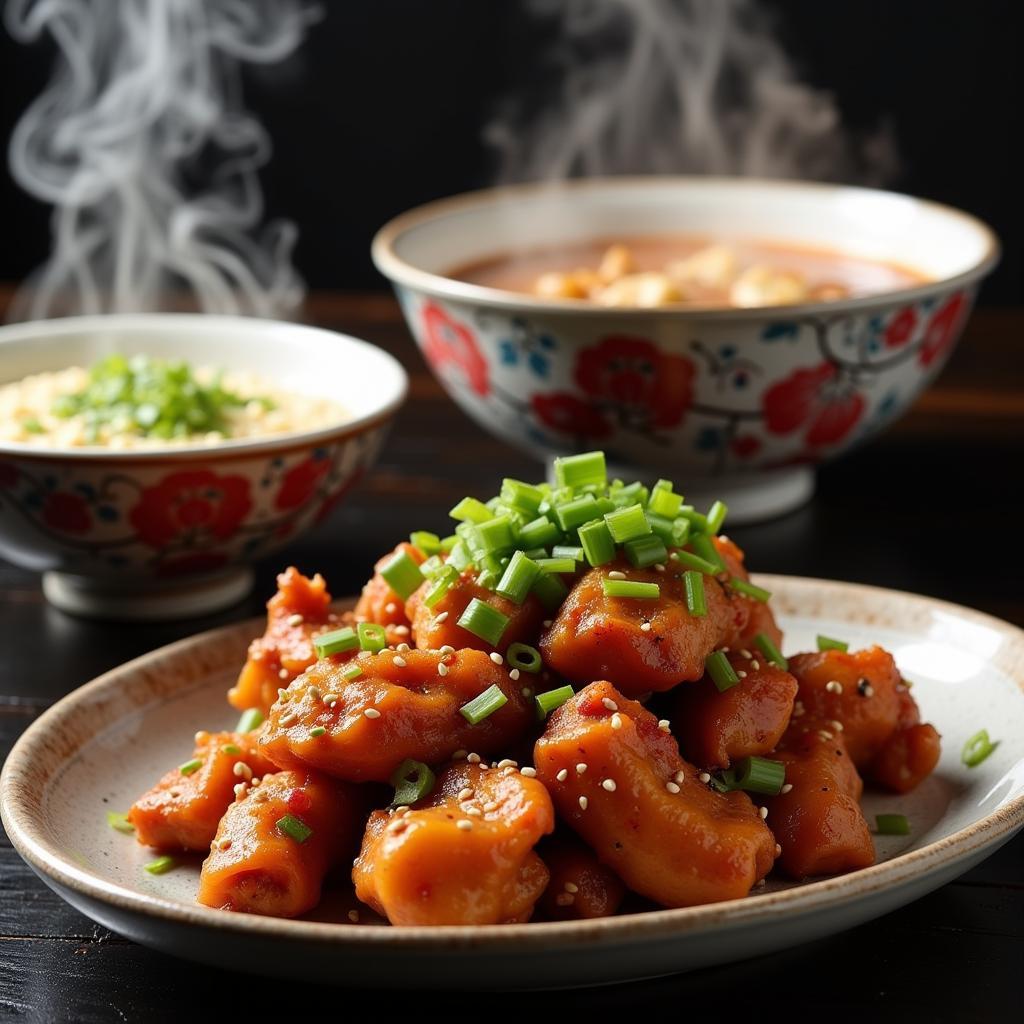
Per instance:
(24,820)
(216,451)
(400,271)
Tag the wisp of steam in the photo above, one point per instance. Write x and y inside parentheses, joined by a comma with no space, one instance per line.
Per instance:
(141,144)
(677,86)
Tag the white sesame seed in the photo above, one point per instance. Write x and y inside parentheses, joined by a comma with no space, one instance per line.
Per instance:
(608,784)
(401,630)
(763,811)
(474,811)
(400,661)
(571,887)
(742,674)
(371,713)
(240,790)
(787,788)
(744,653)
(295,620)
(565,899)
(507,762)
(680,776)
(442,668)
(645,627)
(402,648)
(836,725)
(491,805)
(224,844)
(329,697)
(704,777)
(724,650)
(530,773)
(755,665)
(583,803)
(331,617)
(664,724)
(363,655)
(581,768)
(473,758)
(674,556)
(255,782)
(616,721)
(514,675)
(282,673)
(834,686)
(401,808)
(659,567)
(465,794)
(562,775)
(447,649)
(353,916)
(464,824)
(242,771)
(778,850)
(609,704)
(438,619)
(314,693)
(496,658)
(672,787)
(825,734)
(616,575)
(290,719)
(547,623)
(391,608)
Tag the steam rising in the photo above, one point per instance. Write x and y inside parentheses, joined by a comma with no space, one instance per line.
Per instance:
(143,104)
(674,86)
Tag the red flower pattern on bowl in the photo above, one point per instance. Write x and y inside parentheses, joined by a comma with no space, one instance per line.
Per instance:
(195,504)
(302,480)
(943,329)
(815,399)
(449,343)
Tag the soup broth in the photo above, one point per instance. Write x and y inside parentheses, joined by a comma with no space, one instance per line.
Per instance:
(688,271)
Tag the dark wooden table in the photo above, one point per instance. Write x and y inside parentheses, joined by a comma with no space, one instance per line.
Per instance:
(893,514)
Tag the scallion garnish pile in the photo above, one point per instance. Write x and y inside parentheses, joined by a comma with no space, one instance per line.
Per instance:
(154,398)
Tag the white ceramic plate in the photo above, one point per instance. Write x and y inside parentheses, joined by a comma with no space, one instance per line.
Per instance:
(105,743)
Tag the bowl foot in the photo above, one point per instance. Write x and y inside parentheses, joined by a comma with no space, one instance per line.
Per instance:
(131,602)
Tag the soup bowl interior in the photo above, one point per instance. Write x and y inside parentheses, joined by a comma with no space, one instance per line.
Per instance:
(167,532)
(740,402)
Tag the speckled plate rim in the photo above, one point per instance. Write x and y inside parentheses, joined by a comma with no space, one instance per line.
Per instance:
(23,811)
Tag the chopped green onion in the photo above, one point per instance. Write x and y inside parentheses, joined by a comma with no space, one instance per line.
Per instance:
(721,672)
(581,470)
(251,719)
(442,583)
(498,534)
(767,647)
(336,642)
(488,579)
(645,551)
(429,543)
(524,657)
(119,822)
(627,523)
(696,599)
(716,516)
(402,574)
(622,495)
(892,825)
(351,672)
(447,543)
(977,748)
(674,532)
(535,553)
(695,562)
(630,588)
(577,554)
(189,767)
(576,512)
(749,589)
(522,496)
(597,542)
(469,510)
(432,566)
(372,637)
(294,827)
(484,620)
(547,702)
(518,577)
(826,643)
(557,565)
(705,548)
(459,557)
(663,502)
(540,533)
(160,866)
(413,780)
(760,775)
(484,704)
(231,748)
(724,781)
(550,591)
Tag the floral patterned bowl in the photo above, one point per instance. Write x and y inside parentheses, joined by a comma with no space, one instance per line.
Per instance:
(734,403)
(166,533)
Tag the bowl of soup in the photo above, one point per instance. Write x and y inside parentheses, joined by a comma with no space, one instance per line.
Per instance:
(146,460)
(727,332)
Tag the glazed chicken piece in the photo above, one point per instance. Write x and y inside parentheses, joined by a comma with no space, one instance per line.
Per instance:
(399,706)
(438,626)
(581,887)
(462,855)
(646,645)
(276,843)
(182,810)
(616,777)
(864,693)
(817,819)
(379,603)
(716,727)
(300,610)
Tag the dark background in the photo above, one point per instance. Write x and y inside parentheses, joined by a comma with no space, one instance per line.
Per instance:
(382,109)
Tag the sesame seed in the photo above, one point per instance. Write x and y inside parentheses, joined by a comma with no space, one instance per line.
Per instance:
(447,649)
(787,788)
(741,674)
(865,689)
(330,697)
(616,721)
(565,899)
(583,803)
(825,734)
(680,776)
(496,658)
(763,811)
(755,665)
(465,794)
(401,809)
(664,725)
(616,575)
(442,668)
(464,824)
(314,693)
(371,713)
(645,627)
(507,762)
(744,653)
(514,675)
(401,630)
(402,648)
(491,805)
(438,619)
(282,673)
(242,771)
(224,844)
(363,655)
(609,704)
(240,790)
(659,567)
(562,775)
(608,784)
(704,777)
(778,850)
(530,773)
(290,719)
(724,650)
(571,887)
(474,811)
(672,787)
(526,691)
(400,661)
(547,623)
(473,758)
(581,768)
(331,617)
(353,916)
(255,782)
(834,686)
(674,556)
(761,883)
(295,620)
(837,726)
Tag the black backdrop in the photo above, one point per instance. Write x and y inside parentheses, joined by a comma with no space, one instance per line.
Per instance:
(382,109)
